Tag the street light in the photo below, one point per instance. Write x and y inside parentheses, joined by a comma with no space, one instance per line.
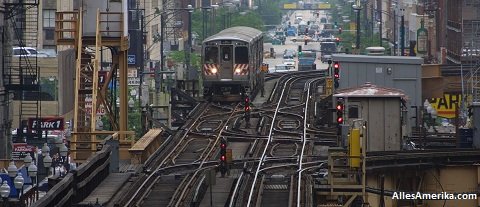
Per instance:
(32,172)
(131,103)
(64,154)
(27,160)
(18,182)
(5,192)
(47,162)
(12,170)
(45,150)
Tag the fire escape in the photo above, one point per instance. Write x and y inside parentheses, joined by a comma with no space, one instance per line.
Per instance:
(91,86)
(20,70)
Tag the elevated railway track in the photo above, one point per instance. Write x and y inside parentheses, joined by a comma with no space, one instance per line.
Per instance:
(277,159)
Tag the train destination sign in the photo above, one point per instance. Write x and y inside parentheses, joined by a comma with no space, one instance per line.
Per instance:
(50,123)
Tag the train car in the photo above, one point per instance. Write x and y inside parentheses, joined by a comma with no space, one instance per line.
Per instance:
(231,61)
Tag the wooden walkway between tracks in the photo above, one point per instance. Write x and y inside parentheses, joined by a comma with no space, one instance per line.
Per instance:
(146,146)
(106,190)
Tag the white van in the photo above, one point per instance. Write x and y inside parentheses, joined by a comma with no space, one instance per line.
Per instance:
(26,52)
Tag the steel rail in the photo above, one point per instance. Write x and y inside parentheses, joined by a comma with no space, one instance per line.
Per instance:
(208,155)
(262,158)
(154,174)
(304,137)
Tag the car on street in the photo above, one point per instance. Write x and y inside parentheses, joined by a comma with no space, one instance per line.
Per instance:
(289,62)
(282,68)
(302,38)
(325,58)
(289,54)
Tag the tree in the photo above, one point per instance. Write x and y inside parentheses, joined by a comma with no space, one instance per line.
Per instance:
(249,19)
(179,57)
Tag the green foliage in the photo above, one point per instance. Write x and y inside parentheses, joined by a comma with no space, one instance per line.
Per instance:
(48,89)
(250,19)
(348,39)
(179,57)
(134,120)
(270,12)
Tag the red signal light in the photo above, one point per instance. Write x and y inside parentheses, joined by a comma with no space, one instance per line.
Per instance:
(223,145)
(247,100)
(247,108)
(223,158)
(337,76)
(340,120)
(339,107)
(338,39)
(336,66)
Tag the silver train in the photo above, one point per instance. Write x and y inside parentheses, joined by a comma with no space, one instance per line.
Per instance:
(231,61)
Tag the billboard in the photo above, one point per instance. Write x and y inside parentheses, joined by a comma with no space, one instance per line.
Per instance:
(20,150)
(447,105)
(324,6)
(290,6)
(46,123)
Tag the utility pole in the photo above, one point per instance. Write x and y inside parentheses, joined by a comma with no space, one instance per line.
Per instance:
(142,70)
(188,50)
(158,75)
(357,8)
(380,28)
(402,32)
(394,32)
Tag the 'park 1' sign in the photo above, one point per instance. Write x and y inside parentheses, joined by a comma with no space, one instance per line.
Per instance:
(50,123)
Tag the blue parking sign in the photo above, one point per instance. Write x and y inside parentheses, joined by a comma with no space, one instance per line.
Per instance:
(131,59)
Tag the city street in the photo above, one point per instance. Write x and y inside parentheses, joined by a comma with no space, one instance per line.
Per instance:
(289,44)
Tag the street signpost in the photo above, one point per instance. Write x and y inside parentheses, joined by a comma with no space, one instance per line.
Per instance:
(131,59)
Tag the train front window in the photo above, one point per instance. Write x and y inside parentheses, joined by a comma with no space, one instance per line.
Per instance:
(226,53)
(211,55)
(241,55)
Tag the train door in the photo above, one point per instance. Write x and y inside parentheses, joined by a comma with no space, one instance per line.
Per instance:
(226,61)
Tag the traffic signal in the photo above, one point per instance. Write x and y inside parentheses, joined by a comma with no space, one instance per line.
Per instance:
(223,156)
(337,41)
(336,74)
(247,112)
(339,30)
(247,104)
(300,51)
(340,108)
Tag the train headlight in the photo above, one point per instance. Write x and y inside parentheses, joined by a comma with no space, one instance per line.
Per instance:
(238,70)
(214,70)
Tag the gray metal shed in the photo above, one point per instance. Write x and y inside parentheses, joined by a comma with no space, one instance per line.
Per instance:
(398,72)
(381,108)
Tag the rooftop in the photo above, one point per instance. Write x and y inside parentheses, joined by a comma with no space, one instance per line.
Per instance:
(370,90)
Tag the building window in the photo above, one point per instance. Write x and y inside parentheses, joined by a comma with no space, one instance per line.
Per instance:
(155,31)
(49,18)
(353,112)
(49,33)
